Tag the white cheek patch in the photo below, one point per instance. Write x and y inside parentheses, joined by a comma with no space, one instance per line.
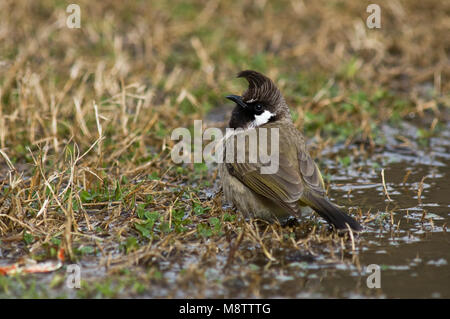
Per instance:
(262,118)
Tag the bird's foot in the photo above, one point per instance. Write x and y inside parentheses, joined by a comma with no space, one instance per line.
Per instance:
(289,222)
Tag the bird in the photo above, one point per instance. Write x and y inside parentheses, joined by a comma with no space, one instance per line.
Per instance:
(296,188)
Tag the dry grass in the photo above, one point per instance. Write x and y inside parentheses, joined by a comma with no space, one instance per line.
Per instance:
(86,116)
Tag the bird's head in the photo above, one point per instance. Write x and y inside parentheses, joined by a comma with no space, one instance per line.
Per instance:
(261,103)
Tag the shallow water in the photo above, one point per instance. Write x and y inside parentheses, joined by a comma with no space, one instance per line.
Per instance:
(414,253)
(414,257)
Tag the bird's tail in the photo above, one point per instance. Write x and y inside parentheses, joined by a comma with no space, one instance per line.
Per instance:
(333,214)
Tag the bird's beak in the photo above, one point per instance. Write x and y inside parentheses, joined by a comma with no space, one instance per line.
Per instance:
(237,99)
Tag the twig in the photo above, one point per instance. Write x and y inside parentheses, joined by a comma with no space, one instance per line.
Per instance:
(384,185)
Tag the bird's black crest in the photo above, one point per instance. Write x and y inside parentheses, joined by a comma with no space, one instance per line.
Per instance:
(260,88)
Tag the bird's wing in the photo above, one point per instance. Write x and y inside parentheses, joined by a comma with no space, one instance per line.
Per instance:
(310,173)
(284,187)
(296,173)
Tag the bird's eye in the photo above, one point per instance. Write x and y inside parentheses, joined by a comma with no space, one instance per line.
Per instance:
(258,107)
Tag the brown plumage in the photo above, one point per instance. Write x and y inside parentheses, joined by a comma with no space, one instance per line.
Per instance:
(297,186)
